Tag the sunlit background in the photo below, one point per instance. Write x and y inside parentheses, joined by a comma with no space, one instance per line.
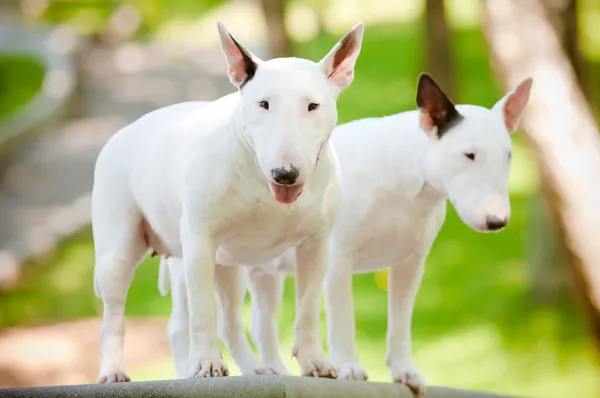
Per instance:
(497,312)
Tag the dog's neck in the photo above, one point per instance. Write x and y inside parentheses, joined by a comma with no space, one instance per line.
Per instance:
(433,190)
(430,197)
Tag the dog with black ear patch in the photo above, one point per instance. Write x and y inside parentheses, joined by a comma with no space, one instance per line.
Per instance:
(390,219)
(230,195)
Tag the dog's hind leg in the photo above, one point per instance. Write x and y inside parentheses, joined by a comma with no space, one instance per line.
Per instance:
(119,245)
(341,328)
(230,290)
(178,328)
(266,293)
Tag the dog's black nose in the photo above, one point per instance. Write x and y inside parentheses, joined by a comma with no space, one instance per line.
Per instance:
(285,177)
(495,223)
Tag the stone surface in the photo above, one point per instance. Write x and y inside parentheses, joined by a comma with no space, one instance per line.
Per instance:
(242,387)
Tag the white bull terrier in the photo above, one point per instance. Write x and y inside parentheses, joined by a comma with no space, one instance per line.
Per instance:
(220,182)
(397,173)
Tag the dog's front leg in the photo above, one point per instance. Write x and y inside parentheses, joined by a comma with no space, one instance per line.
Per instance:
(311,265)
(199,251)
(403,284)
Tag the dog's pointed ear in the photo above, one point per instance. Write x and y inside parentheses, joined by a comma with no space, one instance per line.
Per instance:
(438,113)
(241,63)
(512,104)
(339,63)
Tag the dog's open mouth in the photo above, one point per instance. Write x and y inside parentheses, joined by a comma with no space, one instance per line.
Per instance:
(286,193)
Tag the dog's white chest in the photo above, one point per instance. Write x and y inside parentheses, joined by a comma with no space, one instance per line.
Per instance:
(388,239)
(386,234)
(261,233)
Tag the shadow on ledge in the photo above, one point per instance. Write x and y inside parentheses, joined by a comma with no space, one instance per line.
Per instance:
(242,387)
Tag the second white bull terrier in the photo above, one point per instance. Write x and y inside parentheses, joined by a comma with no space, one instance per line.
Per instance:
(220,182)
(397,173)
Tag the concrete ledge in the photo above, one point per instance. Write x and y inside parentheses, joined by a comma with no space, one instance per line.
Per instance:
(242,387)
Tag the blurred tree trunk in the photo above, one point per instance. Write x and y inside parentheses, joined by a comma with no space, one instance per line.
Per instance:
(439,57)
(546,252)
(563,16)
(561,132)
(545,249)
(278,40)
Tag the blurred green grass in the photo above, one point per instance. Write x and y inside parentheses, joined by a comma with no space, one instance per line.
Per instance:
(475,324)
(20,79)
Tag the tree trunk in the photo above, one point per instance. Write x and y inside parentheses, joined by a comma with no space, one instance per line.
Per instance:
(546,250)
(439,58)
(278,39)
(546,253)
(561,132)
(563,16)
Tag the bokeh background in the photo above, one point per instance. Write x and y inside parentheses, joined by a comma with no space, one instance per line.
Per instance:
(515,312)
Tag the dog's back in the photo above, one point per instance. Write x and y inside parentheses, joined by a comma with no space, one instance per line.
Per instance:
(379,150)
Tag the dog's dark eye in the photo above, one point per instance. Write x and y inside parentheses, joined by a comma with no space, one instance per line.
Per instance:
(312,106)
(510,155)
(470,156)
(264,104)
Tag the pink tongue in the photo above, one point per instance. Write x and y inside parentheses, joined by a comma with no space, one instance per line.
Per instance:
(286,194)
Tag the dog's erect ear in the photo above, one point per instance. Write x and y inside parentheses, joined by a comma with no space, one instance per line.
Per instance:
(438,113)
(241,63)
(339,63)
(512,104)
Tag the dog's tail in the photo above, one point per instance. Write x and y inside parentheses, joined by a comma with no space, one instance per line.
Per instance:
(164,280)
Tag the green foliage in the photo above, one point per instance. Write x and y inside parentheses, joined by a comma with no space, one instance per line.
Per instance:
(20,79)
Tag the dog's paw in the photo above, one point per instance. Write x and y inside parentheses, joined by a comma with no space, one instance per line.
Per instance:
(264,370)
(317,368)
(278,368)
(258,370)
(210,368)
(410,377)
(351,371)
(113,376)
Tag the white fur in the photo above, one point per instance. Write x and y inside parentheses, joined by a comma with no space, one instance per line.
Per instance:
(194,181)
(230,291)
(396,180)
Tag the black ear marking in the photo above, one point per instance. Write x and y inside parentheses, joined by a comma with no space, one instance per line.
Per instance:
(432,101)
(249,65)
